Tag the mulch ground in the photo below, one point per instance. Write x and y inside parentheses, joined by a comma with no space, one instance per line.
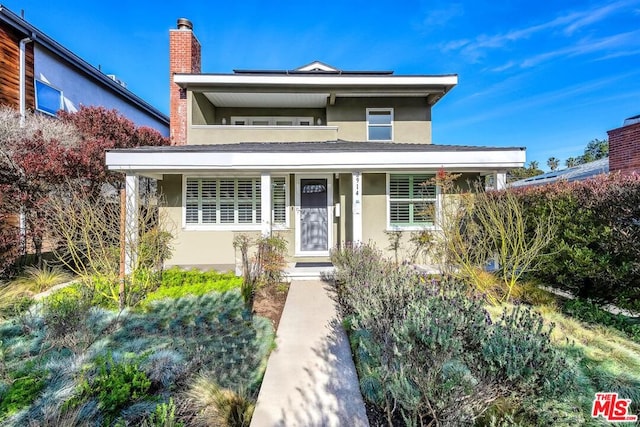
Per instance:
(270,301)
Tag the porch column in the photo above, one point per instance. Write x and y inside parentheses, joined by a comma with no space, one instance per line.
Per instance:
(265,203)
(356,187)
(500,179)
(131,224)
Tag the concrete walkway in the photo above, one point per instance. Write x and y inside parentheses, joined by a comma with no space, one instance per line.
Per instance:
(310,378)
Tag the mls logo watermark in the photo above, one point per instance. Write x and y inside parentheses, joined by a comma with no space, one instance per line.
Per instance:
(612,408)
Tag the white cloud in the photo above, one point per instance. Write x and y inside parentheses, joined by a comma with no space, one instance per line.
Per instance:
(586,46)
(568,23)
(439,17)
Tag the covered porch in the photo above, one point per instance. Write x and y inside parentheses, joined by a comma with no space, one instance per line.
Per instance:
(316,195)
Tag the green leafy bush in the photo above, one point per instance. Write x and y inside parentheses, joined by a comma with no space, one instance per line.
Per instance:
(178,283)
(596,251)
(163,416)
(115,385)
(590,312)
(22,392)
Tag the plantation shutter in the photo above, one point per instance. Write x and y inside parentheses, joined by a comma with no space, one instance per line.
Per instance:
(192,196)
(411,200)
(209,195)
(226,204)
(246,200)
(279,201)
(210,201)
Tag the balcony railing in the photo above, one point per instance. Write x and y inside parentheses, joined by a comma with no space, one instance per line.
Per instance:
(223,134)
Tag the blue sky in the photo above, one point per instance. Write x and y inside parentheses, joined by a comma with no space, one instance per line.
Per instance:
(550,76)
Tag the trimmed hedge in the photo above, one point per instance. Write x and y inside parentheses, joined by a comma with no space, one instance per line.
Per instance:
(596,252)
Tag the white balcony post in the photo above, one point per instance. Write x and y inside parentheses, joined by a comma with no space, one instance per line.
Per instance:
(500,179)
(131,227)
(265,202)
(356,186)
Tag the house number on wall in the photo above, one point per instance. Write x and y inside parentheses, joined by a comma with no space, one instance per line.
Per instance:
(356,193)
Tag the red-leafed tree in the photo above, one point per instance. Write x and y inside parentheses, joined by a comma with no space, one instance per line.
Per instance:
(100,130)
(33,159)
(39,154)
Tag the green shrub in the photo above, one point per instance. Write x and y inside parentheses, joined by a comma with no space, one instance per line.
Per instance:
(596,251)
(65,316)
(22,392)
(163,416)
(424,350)
(115,385)
(590,312)
(179,283)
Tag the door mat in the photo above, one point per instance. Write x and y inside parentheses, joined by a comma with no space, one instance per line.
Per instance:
(313,264)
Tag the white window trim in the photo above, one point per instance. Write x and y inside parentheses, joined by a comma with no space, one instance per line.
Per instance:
(60,106)
(234,226)
(330,216)
(389,110)
(416,227)
(249,120)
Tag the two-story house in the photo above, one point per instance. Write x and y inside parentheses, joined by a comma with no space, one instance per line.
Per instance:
(324,156)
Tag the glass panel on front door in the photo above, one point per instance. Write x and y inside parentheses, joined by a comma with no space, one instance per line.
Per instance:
(314,225)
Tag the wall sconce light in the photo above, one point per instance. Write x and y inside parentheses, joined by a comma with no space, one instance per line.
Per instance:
(319,121)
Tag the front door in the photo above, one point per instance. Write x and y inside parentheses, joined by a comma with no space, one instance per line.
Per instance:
(314,215)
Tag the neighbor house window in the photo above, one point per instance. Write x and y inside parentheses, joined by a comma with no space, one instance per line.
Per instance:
(379,124)
(412,200)
(213,201)
(48,98)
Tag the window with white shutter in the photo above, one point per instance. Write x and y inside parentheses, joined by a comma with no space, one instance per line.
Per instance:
(412,200)
(212,201)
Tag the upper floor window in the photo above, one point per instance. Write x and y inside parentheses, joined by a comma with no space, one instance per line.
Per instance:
(379,124)
(48,98)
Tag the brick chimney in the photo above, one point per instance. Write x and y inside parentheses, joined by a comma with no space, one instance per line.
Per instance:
(184,57)
(624,148)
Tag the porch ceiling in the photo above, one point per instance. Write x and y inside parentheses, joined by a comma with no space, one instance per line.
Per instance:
(268,100)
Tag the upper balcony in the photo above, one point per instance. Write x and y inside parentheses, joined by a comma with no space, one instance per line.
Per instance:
(219,134)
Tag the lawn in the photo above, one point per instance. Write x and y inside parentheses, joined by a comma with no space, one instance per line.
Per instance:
(189,352)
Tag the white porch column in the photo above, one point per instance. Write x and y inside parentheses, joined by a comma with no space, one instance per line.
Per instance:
(500,179)
(131,225)
(265,202)
(356,186)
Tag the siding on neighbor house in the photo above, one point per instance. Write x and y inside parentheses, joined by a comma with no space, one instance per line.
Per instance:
(624,148)
(10,70)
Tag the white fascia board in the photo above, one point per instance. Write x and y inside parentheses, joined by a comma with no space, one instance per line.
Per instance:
(184,161)
(344,80)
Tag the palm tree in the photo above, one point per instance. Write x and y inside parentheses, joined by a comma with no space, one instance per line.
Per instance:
(533,164)
(571,162)
(553,163)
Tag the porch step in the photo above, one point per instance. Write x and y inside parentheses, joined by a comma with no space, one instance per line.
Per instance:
(308,271)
